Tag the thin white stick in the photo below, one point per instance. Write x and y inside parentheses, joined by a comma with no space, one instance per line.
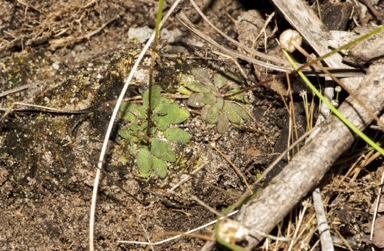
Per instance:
(322,224)
(376,207)
(110,126)
(186,178)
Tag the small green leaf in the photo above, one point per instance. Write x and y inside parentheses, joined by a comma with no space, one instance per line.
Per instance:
(162,106)
(163,122)
(212,89)
(156,90)
(210,113)
(153,130)
(129,116)
(128,136)
(189,82)
(240,109)
(220,80)
(178,114)
(160,167)
(222,123)
(232,112)
(177,135)
(202,75)
(196,100)
(209,98)
(175,115)
(125,134)
(234,78)
(142,112)
(220,103)
(136,128)
(123,108)
(163,150)
(239,97)
(184,90)
(228,79)
(144,162)
(131,112)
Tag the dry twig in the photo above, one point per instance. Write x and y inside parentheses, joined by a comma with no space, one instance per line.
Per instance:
(303,173)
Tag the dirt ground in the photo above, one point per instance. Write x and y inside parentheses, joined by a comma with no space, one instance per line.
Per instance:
(75,56)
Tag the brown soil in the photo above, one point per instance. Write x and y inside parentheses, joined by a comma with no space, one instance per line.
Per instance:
(75,56)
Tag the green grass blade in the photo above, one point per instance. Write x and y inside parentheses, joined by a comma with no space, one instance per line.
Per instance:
(334,110)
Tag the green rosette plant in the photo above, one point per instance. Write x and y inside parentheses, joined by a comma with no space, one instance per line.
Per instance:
(156,151)
(207,93)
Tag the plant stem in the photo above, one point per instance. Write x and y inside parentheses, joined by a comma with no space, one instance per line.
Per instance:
(153,59)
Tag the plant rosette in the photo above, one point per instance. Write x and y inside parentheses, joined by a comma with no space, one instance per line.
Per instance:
(154,153)
(208,93)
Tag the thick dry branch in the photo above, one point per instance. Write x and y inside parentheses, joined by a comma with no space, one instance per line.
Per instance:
(309,166)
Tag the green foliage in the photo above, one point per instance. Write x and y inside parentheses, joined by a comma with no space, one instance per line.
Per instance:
(163,150)
(177,135)
(208,94)
(160,167)
(155,151)
(144,162)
